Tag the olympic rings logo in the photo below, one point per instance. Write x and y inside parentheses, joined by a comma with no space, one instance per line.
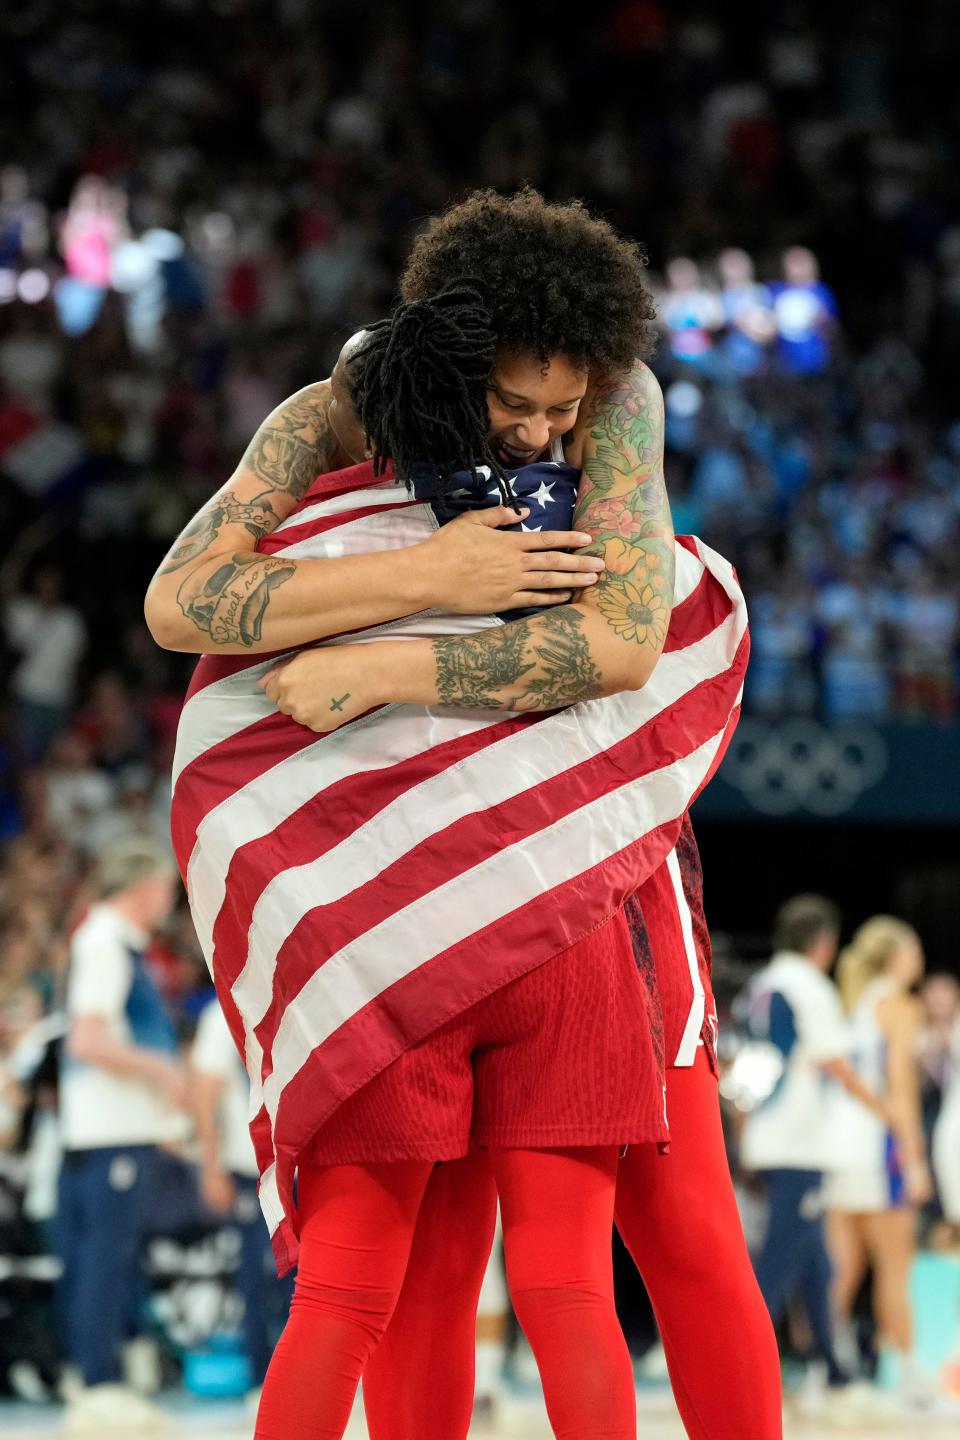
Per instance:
(781,768)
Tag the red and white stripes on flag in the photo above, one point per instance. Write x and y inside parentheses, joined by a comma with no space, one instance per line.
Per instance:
(354,891)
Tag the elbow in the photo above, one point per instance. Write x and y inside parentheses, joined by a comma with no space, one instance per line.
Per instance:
(164,625)
(631,669)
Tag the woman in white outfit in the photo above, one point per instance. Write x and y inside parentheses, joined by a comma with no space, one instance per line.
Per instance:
(872,1200)
(946,1136)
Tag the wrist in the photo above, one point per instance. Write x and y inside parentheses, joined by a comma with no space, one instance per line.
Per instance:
(157,1067)
(406,672)
(415,578)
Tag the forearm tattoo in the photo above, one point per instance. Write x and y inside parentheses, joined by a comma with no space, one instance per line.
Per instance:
(291,447)
(257,516)
(229,605)
(543,663)
(623,503)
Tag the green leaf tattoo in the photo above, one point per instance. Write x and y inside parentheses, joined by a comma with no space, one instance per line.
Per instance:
(541,664)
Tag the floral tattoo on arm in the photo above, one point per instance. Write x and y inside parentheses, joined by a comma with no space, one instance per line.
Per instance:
(547,663)
(623,503)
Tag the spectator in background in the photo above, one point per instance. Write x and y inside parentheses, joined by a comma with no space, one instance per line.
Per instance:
(122,1093)
(228,1181)
(852,611)
(781,679)
(883,1176)
(805,311)
(938,1052)
(924,619)
(50,637)
(747,312)
(946,1137)
(691,312)
(77,791)
(937,1043)
(794,1007)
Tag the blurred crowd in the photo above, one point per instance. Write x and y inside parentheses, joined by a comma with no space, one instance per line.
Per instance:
(128,1180)
(198,202)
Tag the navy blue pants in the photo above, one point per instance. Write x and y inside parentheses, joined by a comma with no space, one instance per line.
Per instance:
(102,1214)
(266,1300)
(793,1262)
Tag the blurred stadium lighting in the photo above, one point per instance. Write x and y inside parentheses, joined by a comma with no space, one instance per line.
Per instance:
(133,266)
(163,245)
(33,286)
(683,399)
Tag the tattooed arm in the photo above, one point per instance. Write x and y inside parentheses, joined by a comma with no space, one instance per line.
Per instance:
(214,594)
(607,641)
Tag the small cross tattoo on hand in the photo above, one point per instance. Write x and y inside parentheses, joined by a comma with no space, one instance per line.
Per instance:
(339,704)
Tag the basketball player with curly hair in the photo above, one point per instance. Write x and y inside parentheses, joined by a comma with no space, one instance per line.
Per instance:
(544,308)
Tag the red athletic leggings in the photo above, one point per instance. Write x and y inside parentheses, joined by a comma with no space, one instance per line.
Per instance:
(357,1227)
(678,1217)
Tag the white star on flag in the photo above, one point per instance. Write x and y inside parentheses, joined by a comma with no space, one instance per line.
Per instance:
(542,496)
(531,527)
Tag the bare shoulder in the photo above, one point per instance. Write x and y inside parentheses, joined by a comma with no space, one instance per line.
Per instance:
(626,403)
(899,1014)
(303,415)
(636,379)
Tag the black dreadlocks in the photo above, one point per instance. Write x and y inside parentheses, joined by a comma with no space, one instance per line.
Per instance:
(419,384)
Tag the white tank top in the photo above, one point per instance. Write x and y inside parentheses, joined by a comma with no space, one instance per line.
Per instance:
(860,1136)
(868,1044)
(556,451)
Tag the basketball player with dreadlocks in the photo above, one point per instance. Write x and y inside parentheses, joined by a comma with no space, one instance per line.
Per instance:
(535,386)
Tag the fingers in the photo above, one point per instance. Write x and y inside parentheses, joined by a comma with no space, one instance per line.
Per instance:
(497,515)
(555,540)
(556,560)
(270,685)
(561,580)
(538,599)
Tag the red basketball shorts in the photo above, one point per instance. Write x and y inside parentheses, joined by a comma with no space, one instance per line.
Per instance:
(563,1056)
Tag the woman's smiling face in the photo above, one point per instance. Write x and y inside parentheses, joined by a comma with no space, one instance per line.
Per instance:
(530,404)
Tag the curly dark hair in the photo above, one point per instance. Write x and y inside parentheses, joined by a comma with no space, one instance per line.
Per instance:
(555,279)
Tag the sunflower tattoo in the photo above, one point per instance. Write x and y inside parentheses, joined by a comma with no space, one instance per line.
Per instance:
(635,611)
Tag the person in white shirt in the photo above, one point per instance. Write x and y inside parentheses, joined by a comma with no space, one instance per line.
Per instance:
(51,638)
(873,1193)
(795,1007)
(122,1094)
(228,1179)
(946,1137)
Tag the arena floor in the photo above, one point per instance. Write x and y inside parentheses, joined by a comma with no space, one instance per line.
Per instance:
(524,1422)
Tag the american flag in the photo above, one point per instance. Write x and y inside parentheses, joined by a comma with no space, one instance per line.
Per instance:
(354,891)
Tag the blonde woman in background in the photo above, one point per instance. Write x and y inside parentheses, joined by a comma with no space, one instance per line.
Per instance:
(872,1201)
